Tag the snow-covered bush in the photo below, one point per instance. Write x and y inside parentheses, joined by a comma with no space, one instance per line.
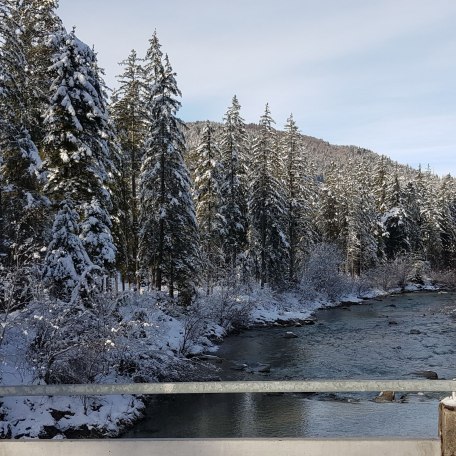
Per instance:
(227,308)
(395,273)
(361,285)
(193,329)
(444,278)
(19,285)
(72,344)
(321,274)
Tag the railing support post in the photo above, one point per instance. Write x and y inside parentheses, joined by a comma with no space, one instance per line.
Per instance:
(447,425)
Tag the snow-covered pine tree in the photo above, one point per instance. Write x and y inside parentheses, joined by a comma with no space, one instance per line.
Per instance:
(430,230)
(267,207)
(412,208)
(233,187)
(168,236)
(38,24)
(68,273)
(362,223)
(395,220)
(127,110)
(23,208)
(331,203)
(447,208)
(95,233)
(77,154)
(295,175)
(76,149)
(208,203)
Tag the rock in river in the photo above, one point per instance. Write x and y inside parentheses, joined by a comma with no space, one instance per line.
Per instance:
(259,368)
(430,375)
(290,335)
(213,358)
(385,396)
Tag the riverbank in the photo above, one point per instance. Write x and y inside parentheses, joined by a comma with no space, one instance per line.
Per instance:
(151,339)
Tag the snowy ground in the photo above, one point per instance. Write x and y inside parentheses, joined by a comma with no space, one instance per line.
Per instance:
(149,340)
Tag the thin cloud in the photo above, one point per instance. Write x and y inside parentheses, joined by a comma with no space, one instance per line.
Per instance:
(352,71)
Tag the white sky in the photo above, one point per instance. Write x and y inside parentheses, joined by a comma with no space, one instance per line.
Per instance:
(376,74)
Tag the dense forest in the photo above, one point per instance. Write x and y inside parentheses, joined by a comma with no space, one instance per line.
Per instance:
(96,191)
(107,196)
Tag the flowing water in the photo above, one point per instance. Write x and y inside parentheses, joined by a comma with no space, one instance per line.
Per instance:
(392,338)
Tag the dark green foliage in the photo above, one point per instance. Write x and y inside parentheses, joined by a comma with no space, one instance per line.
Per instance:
(128,113)
(168,237)
(267,208)
(233,187)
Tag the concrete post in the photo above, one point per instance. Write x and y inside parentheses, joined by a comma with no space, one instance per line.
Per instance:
(447,425)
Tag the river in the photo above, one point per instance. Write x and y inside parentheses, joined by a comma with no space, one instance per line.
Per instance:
(392,338)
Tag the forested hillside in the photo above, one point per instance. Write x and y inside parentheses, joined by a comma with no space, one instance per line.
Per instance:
(96,189)
(372,208)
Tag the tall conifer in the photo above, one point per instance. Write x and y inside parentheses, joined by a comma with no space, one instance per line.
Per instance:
(267,207)
(168,235)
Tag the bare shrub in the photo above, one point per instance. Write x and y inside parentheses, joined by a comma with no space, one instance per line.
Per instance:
(395,273)
(446,278)
(322,274)
(361,285)
(230,305)
(72,344)
(193,329)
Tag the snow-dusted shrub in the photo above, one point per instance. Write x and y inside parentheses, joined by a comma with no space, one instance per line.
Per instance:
(361,285)
(421,271)
(193,329)
(227,305)
(395,273)
(19,286)
(321,272)
(444,278)
(72,344)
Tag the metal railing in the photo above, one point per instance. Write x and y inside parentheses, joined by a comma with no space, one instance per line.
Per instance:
(240,447)
(296,386)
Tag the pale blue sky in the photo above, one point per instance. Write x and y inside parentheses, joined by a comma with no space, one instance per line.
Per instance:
(376,74)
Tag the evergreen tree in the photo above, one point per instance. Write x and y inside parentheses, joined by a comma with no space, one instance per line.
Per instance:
(446,201)
(380,172)
(127,109)
(208,202)
(333,207)
(430,218)
(38,26)
(233,188)
(78,134)
(395,221)
(96,237)
(168,235)
(22,208)
(267,207)
(76,147)
(295,197)
(362,224)
(412,208)
(68,273)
